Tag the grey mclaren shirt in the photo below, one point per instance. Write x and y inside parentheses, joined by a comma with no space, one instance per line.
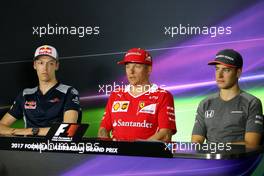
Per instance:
(228,121)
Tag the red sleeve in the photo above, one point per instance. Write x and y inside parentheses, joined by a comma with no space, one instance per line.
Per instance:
(166,115)
(107,119)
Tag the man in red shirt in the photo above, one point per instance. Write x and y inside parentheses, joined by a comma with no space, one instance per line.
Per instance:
(142,110)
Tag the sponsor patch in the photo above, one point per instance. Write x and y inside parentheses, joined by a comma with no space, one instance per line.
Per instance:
(116,106)
(120,106)
(170,113)
(236,112)
(170,108)
(76,100)
(209,114)
(114,124)
(30,105)
(258,122)
(124,106)
(259,117)
(141,104)
(74,91)
(150,109)
(54,100)
(121,123)
(45,50)
(153,97)
(133,53)
(171,119)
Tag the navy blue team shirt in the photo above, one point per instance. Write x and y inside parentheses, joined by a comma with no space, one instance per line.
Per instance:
(40,110)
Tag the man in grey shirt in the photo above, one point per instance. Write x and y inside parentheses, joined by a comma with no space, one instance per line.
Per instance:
(231,115)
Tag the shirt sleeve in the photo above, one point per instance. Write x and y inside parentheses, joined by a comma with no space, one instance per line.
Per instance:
(255,117)
(199,124)
(107,120)
(166,115)
(16,109)
(72,101)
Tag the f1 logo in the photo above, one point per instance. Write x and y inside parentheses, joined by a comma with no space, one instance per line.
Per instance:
(209,114)
(66,132)
(71,130)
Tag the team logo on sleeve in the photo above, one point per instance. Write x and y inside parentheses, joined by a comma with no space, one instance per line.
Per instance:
(209,114)
(259,117)
(76,100)
(74,91)
(147,108)
(170,113)
(120,106)
(30,105)
(259,120)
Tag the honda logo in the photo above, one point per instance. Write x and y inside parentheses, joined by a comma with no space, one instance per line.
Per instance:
(209,114)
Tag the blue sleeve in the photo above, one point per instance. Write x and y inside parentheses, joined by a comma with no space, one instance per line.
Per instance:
(72,101)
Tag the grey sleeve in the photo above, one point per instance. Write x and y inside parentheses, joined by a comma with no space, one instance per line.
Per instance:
(255,117)
(199,124)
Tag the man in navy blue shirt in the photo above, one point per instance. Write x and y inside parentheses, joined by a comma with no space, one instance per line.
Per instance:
(45,104)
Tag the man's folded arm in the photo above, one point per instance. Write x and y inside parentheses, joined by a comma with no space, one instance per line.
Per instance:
(5,124)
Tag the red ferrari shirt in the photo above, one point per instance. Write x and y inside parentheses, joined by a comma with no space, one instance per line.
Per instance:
(139,117)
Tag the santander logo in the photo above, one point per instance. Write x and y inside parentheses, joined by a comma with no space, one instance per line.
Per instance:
(114,124)
(121,123)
